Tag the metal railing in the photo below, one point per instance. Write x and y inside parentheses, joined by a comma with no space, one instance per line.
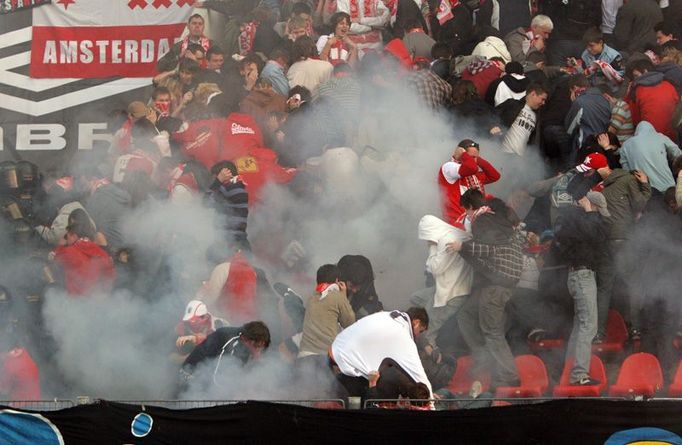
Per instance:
(468,402)
(38,405)
(193,404)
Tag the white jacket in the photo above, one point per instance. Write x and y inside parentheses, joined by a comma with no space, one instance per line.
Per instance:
(452,273)
(492,47)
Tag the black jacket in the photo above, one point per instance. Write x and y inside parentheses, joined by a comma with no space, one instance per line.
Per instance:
(227,338)
(581,237)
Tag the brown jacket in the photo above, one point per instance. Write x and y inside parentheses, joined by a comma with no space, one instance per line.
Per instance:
(261,102)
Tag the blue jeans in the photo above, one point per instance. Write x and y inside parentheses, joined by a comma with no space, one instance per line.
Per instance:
(582,285)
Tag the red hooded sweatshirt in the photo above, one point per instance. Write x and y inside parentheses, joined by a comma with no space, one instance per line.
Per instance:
(472,173)
(258,167)
(205,150)
(87,267)
(238,299)
(19,376)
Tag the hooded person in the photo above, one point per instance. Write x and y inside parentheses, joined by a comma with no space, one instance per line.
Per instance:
(650,152)
(490,47)
(452,274)
(87,267)
(652,98)
(356,271)
(510,86)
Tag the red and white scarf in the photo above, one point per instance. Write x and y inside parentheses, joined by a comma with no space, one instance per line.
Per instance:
(203,41)
(369,9)
(247,37)
(325,288)
(478,67)
(481,211)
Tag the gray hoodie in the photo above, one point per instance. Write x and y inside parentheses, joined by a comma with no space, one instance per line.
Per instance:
(650,151)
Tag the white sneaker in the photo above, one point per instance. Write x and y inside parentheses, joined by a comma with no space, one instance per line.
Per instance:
(476,389)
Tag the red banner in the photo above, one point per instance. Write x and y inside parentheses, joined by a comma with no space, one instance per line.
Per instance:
(104,38)
(7,6)
(105,51)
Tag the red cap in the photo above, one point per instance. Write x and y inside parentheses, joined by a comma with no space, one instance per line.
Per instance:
(593,161)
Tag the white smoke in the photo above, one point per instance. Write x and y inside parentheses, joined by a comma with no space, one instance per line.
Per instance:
(371,199)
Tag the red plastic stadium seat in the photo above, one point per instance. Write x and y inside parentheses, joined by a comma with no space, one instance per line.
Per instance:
(500,403)
(461,381)
(597,372)
(640,375)
(533,376)
(675,389)
(331,404)
(616,334)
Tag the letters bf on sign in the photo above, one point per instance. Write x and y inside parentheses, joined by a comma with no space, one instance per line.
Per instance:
(35,137)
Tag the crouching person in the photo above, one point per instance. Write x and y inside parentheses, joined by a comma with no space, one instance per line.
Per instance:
(229,345)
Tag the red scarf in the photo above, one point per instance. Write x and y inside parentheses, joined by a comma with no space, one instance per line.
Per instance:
(247,37)
(322,287)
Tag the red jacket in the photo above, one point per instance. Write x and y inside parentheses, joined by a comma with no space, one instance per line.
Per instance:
(207,150)
(473,173)
(19,376)
(483,79)
(655,104)
(258,167)
(238,299)
(240,133)
(226,139)
(87,267)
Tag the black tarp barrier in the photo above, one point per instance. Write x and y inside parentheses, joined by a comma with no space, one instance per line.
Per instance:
(555,422)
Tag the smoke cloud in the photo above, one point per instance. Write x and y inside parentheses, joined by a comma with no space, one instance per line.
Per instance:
(371,197)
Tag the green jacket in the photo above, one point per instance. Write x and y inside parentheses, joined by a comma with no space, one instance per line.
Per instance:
(625,197)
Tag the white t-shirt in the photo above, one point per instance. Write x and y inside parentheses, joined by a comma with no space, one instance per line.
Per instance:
(362,346)
(516,139)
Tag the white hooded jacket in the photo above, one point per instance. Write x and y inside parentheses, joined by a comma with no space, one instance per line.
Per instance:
(492,47)
(452,273)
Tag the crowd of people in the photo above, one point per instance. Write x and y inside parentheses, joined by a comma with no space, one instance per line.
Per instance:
(591,88)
